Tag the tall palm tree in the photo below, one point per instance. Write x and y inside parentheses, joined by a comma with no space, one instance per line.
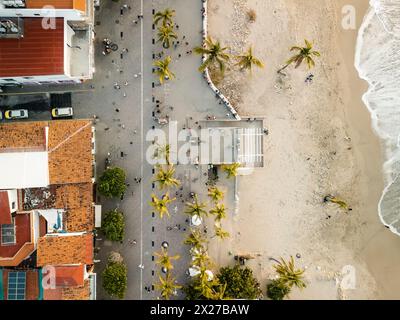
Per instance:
(205,285)
(338,201)
(219,211)
(221,233)
(164,260)
(215,194)
(166,34)
(163,71)
(231,169)
(164,16)
(289,275)
(163,151)
(165,178)
(247,60)
(200,258)
(196,239)
(214,53)
(161,205)
(167,286)
(196,208)
(304,54)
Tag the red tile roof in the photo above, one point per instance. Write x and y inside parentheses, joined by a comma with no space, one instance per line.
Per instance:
(39,52)
(70,276)
(32,284)
(62,250)
(57,4)
(5,212)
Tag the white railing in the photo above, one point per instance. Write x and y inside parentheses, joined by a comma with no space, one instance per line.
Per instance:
(206,74)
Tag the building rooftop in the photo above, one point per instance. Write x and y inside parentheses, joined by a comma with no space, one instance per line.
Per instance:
(69,152)
(70,276)
(5,212)
(64,249)
(57,4)
(39,52)
(69,293)
(31,288)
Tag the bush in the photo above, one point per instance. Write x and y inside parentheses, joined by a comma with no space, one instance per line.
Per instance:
(115,279)
(277,290)
(113,225)
(240,283)
(112,183)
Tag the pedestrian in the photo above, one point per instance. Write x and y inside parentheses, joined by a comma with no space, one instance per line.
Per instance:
(179,55)
(117,109)
(177,26)
(184,37)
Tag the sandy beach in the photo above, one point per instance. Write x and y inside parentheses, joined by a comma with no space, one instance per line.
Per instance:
(320,142)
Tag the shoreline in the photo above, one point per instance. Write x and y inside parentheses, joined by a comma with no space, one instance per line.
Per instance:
(287,217)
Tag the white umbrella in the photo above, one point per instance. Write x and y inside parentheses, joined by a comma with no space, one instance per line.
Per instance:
(196,220)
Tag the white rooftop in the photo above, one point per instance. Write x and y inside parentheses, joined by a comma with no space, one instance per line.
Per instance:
(24,170)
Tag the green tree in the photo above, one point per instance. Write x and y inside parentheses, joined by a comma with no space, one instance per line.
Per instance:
(195,239)
(163,71)
(165,17)
(165,177)
(221,233)
(247,60)
(112,183)
(167,286)
(164,260)
(161,205)
(214,53)
(113,225)
(219,211)
(115,279)
(215,194)
(289,275)
(303,54)
(165,35)
(277,290)
(231,169)
(196,208)
(240,283)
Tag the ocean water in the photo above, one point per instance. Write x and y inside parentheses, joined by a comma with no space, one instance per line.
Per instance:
(378,62)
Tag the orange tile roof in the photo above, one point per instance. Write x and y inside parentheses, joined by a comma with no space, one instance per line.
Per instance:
(69,146)
(68,293)
(61,250)
(70,276)
(70,151)
(77,200)
(57,4)
(5,212)
(39,52)
(23,136)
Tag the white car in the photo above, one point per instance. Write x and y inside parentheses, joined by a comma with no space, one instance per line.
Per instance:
(62,112)
(16,114)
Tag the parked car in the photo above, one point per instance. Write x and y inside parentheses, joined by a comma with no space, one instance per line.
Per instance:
(62,112)
(16,114)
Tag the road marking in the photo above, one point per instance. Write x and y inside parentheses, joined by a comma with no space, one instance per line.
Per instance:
(141,147)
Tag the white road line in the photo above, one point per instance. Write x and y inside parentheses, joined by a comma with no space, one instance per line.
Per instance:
(141,147)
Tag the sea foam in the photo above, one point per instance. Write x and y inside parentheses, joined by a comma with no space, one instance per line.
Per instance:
(378,62)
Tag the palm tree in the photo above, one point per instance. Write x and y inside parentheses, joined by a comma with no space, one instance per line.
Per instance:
(167,286)
(205,285)
(214,53)
(200,258)
(304,53)
(164,16)
(196,208)
(231,169)
(195,239)
(221,233)
(215,194)
(164,260)
(166,34)
(289,275)
(340,202)
(163,151)
(163,70)
(165,178)
(219,211)
(247,60)
(161,205)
